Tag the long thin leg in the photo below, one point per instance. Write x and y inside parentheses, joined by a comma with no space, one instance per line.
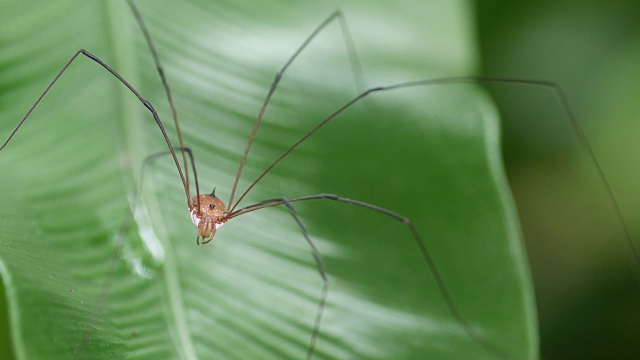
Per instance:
(125,228)
(453,309)
(355,66)
(321,270)
(478,80)
(144,102)
(167,90)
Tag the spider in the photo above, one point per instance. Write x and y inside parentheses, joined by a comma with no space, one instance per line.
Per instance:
(208,212)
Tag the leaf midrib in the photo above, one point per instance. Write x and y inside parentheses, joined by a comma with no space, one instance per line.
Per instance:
(131,115)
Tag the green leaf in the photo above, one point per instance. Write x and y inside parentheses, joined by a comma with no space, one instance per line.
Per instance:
(430,154)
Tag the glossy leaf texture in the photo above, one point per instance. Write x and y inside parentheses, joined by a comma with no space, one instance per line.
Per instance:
(76,288)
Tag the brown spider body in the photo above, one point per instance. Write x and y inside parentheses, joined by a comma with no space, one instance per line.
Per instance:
(209,217)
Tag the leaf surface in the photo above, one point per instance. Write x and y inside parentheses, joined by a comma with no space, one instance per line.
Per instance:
(430,154)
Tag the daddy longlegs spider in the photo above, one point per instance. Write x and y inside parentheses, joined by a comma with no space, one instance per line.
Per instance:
(491,349)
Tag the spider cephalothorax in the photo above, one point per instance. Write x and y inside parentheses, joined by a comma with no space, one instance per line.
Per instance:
(210,216)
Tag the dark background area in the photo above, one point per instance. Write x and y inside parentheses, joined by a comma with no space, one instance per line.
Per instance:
(586,289)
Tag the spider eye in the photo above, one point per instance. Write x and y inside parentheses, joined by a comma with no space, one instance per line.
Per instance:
(211,206)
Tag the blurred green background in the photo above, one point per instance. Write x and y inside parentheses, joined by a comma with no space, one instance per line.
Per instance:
(586,289)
